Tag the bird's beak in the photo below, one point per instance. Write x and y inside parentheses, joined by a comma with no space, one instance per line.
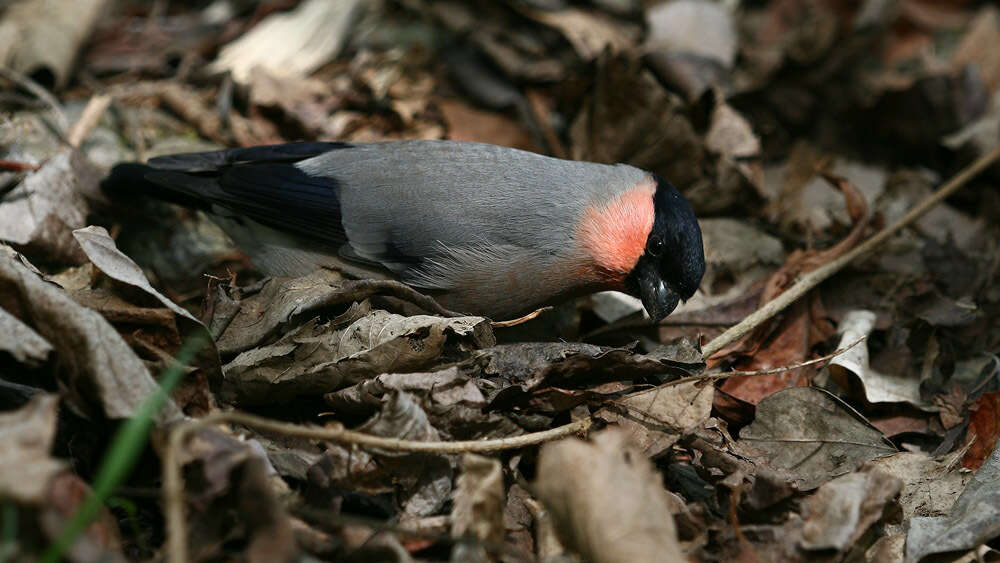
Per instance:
(658,299)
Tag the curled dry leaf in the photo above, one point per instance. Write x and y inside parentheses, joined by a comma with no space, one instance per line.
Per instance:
(97,368)
(26,436)
(842,510)
(477,508)
(985,423)
(812,436)
(39,215)
(278,304)
(878,387)
(297,42)
(973,520)
(102,252)
(320,357)
(607,502)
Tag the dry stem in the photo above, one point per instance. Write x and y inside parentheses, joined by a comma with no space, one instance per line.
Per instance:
(815,277)
(173,484)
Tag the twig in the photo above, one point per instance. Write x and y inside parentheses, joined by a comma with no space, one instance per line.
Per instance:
(91,116)
(520,320)
(40,92)
(17,166)
(769,371)
(362,289)
(815,277)
(173,485)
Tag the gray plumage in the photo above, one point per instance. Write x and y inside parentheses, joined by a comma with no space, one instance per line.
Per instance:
(450,217)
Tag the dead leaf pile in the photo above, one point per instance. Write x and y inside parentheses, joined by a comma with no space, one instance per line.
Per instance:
(795,128)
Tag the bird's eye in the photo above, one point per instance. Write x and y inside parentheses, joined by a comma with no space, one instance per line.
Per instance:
(655,245)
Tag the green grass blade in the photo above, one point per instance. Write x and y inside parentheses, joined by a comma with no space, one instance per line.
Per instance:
(125,449)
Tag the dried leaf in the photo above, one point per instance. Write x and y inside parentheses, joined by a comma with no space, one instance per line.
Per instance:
(227,475)
(39,215)
(842,510)
(423,481)
(657,418)
(878,387)
(985,423)
(628,117)
(466,123)
(812,436)
(973,520)
(477,508)
(101,250)
(296,42)
(26,436)
(98,368)
(607,501)
(590,33)
(521,369)
(930,486)
(22,343)
(64,497)
(320,357)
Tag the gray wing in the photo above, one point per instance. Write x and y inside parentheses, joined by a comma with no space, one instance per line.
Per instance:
(432,210)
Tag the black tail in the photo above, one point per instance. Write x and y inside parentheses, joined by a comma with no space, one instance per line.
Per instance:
(261,183)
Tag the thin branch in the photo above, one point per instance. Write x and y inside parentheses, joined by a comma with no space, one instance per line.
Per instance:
(40,92)
(173,484)
(362,289)
(88,121)
(770,371)
(815,277)
(520,320)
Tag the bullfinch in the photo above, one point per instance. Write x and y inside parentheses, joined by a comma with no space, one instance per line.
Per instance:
(486,230)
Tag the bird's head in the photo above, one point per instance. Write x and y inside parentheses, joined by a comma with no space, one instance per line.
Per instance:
(672,264)
(649,240)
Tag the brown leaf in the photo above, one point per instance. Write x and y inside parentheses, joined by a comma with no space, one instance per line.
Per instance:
(973,520)
(466,123)
(320,357)
(628,117)
(39,215)
(423,481)
(607,501)
(26,436)
(656,419)
(842,510)
(101,250)
(97,368)
(521,369)
(22,343)
(589,32)
(812,436)
(477,509)
(225,475)
(64,497)
(985,424)
(930,486)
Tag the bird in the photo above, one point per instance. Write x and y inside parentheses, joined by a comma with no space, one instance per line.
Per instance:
(484,229)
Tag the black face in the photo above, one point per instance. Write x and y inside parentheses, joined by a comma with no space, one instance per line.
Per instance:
(674,261)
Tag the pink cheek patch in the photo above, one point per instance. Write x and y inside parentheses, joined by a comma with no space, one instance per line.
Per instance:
(614,234)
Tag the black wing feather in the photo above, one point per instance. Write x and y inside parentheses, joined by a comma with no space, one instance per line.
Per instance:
(260,183)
